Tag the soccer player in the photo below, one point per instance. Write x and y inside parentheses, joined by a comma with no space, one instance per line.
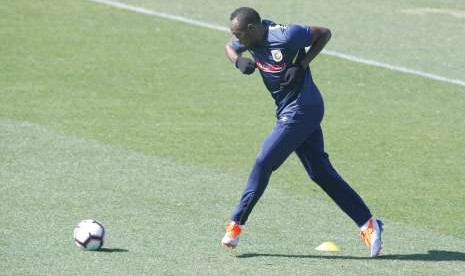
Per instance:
(279,52)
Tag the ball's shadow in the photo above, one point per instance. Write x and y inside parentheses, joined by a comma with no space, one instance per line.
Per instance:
(112,250)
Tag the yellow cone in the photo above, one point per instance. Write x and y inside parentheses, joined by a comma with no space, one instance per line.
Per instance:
(328,246)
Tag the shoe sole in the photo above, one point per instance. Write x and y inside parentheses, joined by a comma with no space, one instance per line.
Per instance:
(230,243)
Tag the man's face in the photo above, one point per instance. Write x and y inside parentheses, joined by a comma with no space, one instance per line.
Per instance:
(246,34)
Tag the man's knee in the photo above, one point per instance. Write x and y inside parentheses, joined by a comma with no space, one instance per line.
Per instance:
(267,162)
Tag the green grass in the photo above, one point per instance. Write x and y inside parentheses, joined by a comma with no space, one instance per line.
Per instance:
(373,29)
(142,124)
(164,218)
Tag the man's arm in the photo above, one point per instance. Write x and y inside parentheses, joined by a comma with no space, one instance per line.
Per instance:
(320,37)
(245,65)
(230,53)
(295,74)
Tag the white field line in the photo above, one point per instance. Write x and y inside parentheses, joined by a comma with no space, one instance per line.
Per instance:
(199,23)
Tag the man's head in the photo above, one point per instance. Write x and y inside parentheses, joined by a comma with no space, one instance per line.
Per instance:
(245,24)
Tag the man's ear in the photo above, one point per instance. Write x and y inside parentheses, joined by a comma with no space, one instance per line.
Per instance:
(251,27)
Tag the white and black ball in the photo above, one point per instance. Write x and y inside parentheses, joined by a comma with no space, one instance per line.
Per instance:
(89,235)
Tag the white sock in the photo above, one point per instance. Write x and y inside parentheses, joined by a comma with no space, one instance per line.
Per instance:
(233,222)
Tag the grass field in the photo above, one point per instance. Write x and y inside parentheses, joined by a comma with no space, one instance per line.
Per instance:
(141,123)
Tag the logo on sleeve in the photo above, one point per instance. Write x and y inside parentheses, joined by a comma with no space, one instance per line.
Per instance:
(277,55)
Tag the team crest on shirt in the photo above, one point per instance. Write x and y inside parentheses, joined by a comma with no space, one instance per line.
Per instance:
(277,55)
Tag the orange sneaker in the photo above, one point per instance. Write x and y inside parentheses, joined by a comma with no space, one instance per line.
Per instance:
(231,238)
(371,236)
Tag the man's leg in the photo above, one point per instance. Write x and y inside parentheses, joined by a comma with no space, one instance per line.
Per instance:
(285,138)
(279,144)
(320,170)
(317,165)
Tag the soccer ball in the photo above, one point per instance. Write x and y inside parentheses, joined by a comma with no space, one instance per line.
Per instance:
(89,234)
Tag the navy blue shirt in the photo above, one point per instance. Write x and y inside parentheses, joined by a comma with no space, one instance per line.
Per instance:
(278,50)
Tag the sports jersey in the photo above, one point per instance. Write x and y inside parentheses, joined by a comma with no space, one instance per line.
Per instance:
(277,51)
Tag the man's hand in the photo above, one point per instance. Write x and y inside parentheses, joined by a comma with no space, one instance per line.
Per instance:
(245,65)
(293,78)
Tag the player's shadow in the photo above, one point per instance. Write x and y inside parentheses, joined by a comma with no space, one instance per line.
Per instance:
(112,250)
(432,255)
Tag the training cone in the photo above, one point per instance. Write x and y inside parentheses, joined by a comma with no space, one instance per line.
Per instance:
(328,246)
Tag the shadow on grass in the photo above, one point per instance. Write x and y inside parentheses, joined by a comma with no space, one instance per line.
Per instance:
(113,250)
(432,255)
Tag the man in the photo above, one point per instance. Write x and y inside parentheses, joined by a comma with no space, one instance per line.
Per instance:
(279,53)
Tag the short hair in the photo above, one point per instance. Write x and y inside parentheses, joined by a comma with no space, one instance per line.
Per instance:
(246,15)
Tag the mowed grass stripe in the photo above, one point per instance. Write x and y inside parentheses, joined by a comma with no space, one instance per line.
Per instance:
(417,50)
(144,11)
(165,218)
